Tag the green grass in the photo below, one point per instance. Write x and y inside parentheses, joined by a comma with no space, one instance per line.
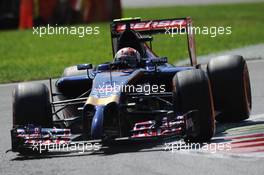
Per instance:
(24,56)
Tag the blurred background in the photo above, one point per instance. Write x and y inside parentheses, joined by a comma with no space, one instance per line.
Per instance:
(24,56)
(27,13)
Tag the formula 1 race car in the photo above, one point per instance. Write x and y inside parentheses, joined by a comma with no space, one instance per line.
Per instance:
(138,95)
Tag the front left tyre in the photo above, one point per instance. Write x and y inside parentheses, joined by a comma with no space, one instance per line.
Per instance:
(192,92)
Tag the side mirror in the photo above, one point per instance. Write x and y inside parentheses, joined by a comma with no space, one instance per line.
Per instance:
(84,66)
(161,60)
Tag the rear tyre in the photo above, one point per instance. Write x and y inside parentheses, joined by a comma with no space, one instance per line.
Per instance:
(192,91)
(31,105)
(230,82)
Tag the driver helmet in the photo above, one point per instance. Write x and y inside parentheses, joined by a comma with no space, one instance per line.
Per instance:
(129,56)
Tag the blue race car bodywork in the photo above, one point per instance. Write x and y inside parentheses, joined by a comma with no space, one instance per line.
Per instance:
(115,100)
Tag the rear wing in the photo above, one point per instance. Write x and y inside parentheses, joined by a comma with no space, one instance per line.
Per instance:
(161,26)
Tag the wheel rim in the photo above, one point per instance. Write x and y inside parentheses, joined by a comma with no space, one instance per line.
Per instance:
(247,89)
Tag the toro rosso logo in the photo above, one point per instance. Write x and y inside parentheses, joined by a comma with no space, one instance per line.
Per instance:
(153,25)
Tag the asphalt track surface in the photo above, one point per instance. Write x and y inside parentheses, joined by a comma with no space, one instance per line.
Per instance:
(245,157)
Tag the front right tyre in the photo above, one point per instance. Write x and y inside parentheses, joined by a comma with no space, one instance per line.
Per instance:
(31,105)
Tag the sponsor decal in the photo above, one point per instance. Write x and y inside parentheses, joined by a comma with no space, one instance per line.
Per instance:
(152,25)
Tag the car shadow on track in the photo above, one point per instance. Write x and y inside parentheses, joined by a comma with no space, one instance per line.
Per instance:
(127,146)
(117,147)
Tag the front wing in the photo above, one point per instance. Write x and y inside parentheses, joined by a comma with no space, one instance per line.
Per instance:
(35,139)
